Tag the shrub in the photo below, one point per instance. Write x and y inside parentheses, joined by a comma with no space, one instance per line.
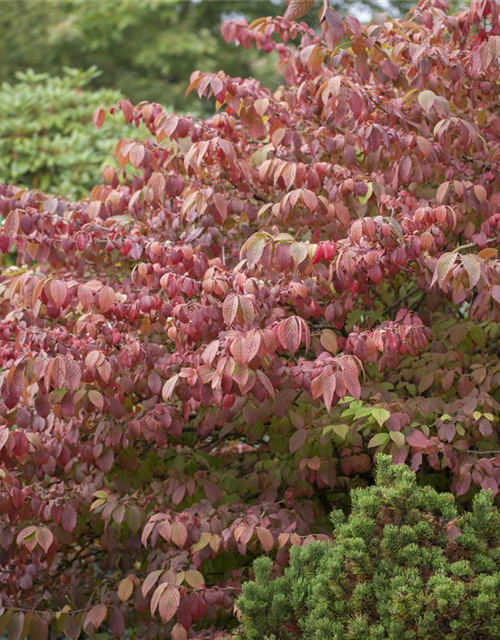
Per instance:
(202,358)
(395,570)
(47,139)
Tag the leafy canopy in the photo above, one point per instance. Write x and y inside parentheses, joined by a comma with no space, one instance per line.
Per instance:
(206,354)
(145,49)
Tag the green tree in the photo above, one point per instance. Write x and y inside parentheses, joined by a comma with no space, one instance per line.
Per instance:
(145,49)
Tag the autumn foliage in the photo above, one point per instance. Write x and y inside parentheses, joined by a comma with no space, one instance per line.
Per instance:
(199,361)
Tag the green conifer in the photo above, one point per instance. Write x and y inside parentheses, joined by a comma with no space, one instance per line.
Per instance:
(391,573)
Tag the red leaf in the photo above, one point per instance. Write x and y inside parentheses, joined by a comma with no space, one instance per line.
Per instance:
(26,533)
(298,8)
(297,440)
(96,616)
(73,373)
(317,386)
(495,293)
(464,483)
(251,346)
(472,265)
(96,398)
(179,633)
(15,626)
(266,539)
(194,579)
(59,292)
(168,387)
(179,534)
(289,173)
(444,265)
(99,117)
(128,110)
(356,103)
(58,372)
(335,22)
(106,299)
(4,436)
(329,390)
(418,439)
(150,581)
(351,380)
(329,341)
(169,603)
(11,224)
(247,309)
(44,537)
(230,308)
(39,629)
(210,352)
(69,518)
(289,334)
(266,383)
(137,155)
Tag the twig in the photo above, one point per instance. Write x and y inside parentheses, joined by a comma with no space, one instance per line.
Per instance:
(402,299)
(477,452)
(377,104)
(473,245)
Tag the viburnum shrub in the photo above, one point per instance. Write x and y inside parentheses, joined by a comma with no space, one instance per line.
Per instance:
(391,573)
(202,358)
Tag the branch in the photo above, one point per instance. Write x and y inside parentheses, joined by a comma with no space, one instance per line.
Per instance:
(473,245)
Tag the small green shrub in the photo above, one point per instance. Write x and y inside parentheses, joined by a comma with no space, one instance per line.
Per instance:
(391,573)
(47,138)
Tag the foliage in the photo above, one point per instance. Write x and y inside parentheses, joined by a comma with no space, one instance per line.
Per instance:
(145,49)
(202,358)
(399,568)
(47,139)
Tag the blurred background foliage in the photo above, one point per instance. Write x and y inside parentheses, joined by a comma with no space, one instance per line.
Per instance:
(144,48)
(139,49)
(47,139)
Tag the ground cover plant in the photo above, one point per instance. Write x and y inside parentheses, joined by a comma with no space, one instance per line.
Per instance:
(201,359)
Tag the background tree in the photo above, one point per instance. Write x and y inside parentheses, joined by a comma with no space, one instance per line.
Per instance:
(145,49)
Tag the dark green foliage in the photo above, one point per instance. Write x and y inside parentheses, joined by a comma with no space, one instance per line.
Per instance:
(392,572)
(145,48)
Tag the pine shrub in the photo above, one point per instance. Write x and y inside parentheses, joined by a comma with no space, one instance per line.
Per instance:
(402,566)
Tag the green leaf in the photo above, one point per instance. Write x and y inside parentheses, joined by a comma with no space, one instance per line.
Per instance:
(380,415)
(340,430)
(398,438)
(380,440)
(478,334)
(363,412)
